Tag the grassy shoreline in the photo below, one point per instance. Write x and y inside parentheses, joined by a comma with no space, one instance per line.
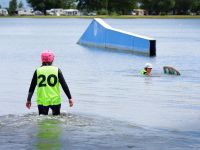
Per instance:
(111,17)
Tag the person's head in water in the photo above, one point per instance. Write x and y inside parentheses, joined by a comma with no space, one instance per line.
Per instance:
(47,58)
(148,68)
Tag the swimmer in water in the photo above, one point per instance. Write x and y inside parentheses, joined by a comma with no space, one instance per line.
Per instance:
(147,69)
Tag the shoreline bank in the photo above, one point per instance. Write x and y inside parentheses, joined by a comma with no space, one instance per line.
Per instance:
(110,17)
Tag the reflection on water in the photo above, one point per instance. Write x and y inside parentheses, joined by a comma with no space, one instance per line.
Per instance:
(148,80)
(49,133)
(87,132)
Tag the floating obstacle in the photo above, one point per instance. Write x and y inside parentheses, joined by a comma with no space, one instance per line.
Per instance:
(100,34)
(171,71)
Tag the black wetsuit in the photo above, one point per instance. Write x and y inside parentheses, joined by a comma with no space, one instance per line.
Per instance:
(55,108)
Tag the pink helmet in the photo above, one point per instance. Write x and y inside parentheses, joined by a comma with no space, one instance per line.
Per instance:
(47,56)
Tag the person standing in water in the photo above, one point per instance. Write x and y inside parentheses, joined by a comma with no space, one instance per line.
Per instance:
(48,79)
(147,69)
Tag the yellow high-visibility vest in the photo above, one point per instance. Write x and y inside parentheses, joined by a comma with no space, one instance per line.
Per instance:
(48,86)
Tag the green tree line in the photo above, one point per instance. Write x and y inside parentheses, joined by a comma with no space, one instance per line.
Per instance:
(44,5)
(153,7)
(13,5)
(178,7)
(120,7)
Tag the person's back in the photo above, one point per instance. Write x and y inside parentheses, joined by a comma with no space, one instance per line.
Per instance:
(48,86)
(47,79)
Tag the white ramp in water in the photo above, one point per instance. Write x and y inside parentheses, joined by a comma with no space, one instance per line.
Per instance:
(100,34)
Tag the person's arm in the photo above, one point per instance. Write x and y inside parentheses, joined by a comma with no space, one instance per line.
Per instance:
(65,87)
(31,90)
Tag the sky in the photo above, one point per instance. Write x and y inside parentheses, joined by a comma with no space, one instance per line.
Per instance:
(5,3)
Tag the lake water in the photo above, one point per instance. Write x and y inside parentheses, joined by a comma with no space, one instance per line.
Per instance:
(115,107)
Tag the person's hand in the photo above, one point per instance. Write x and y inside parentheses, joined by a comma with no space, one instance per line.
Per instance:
(28,104)
(71,102)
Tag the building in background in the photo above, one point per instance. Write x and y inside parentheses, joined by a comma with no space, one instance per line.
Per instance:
(139,12)
(3,12)
(25,12)
(63,12)
(71,12)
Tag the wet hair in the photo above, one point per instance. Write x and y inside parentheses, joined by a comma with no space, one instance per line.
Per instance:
(46,63)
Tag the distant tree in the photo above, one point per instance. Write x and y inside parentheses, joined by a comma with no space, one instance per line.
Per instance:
(149,5)
(12,7)
(102,12)
(118,6)
(0,6)
(195,6)
(20,5)
(182,6)
(155,7)
(165,6)
(82,4)
(70,4)
(90,5)
(44,5)
(122,8)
